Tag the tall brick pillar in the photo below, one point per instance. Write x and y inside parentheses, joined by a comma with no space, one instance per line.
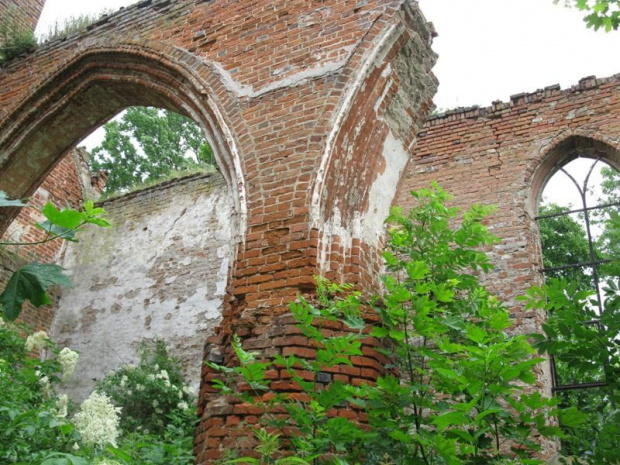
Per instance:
(330,167)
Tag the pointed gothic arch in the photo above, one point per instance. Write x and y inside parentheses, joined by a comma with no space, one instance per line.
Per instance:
(96,83)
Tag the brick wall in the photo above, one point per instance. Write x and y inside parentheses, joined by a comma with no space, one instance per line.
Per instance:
(68,185)
(291,94)
(314,111)
(503,155)
(25,13)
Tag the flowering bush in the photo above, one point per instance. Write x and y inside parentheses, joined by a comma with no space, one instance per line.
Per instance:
(97,421)
(35,427)
(67,359)
(149,392)
(32,421)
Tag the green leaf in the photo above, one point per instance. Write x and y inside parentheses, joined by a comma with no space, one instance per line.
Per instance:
(476,334)
(30,283)
(450,419)
(379,331)
(67,218)
(242,460)
(571,417)
(417,270)
(95,215)
(67,234)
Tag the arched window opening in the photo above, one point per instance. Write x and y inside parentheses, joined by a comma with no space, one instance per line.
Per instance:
(577,245)
(581,247)
(142,146)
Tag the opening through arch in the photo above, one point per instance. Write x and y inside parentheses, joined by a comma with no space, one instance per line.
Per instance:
(91,89)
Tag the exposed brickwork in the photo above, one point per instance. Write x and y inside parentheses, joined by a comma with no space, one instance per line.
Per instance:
(314,110)
(503,155)
(25,12)
(290,93)
(68,185)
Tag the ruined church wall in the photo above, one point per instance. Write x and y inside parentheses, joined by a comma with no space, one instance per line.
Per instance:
(502,155)
(67,185)
(160,271)
(25,12)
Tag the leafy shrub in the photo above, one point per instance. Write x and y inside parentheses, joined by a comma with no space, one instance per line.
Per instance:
(461,389)
(32,422)
(150,392)
(35,428)
(586,353)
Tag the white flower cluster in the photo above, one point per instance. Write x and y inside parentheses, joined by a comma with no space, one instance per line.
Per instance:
(36,341)
(97,421)
(67,359)
(187,389)
(61,406)
(163,375)
(45,384)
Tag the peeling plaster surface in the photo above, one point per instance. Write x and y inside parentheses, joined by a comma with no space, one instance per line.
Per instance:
(369,226)
(371,59)
(161,271)
(383,190)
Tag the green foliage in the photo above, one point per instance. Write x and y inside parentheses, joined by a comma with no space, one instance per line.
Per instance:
(31,424)
(16,37)
(71,25)
(149,392)
(146,145)
(564,242)
(584,343)
(599,13)
(31,281)
(585,353)
(317,432)
(460,389)
(35,428)
(608,218)
(462,373)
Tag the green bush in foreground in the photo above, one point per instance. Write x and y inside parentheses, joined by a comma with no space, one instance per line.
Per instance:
(461,389)
(35,427)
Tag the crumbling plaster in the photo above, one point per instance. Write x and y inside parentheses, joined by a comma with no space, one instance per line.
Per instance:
(159,271)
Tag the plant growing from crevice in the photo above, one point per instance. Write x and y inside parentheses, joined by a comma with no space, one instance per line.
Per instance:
(71,25)
(16,37)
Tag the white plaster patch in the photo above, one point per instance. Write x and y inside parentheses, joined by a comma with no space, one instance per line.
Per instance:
(345,233)
(368,226)
(383,190)
(161,271)
(291,80)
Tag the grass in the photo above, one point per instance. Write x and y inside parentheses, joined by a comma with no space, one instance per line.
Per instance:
(195,169)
